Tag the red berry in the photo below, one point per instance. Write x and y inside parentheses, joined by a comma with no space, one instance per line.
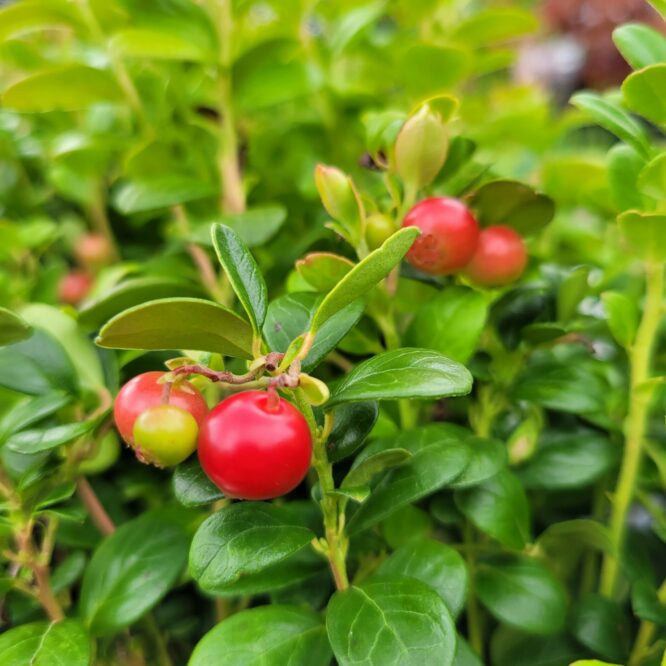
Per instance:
(449,234)
(499,259)
(144,392)
(251,449)
(93,249)
(74,287)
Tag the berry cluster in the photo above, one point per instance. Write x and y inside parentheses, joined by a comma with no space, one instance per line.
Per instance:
(452,241)
(252,445)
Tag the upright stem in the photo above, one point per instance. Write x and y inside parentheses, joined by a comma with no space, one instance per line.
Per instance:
(95,509)
(336,544)
(233,192)
(635,423)
(474,628)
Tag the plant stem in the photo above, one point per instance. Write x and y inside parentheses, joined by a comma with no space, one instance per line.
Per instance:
(635,424)
(95,509)
(332,508)
(474,628)
(233,192)
(153,630)
(645,634)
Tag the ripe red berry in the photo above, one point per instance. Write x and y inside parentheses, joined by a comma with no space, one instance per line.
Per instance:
(165,435)
(74,287)
(449,235)
(93,249)
(500,258)
(143,392)
(251,449)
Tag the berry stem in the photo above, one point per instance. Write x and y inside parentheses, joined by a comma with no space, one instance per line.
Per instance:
(337,543)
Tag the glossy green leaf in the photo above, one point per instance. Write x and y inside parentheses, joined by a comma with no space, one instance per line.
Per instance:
(640,45)
(642,92)
(624,168)
(392,621)
(192,487)
(645,234)
(63,643)
(64,88)
(569,459)
(243,273)
(601,625)
(240,540)
(622,316)
(615,119)
(499,508)
(159,325)
(652,180)
(523,593)
(135,291)
(488,457)
(31,411)
(361,475)
(12,327)
(451,323)
(352,423)
(439,456)
(323,270)
(403,373)
(35,441)
(131,571)
(266,636)
(289,316)
(365,275)
(512,204)
(437,565)
(137,196)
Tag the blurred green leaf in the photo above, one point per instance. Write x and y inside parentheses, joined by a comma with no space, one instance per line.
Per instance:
(622,316)
(652,180)
(645,233)
(12,327)
(624,167)
(495,25)
(323,270)
(255,226)
(159,325)
(642,92)
(137,196)
(38,440)
(640,45)
(159,43)
(602,626)
(20,18)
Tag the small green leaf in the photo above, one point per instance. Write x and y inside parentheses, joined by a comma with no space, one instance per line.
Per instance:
(243,273)
(523,593)
(289,316)
(131,571)
(624,168)
(160,325)
(499,508)
(266,636)
(451,323)
(64,88)
(135,291)
(571,292)
(12,327)
(163,42)
(513,204)
(439,456)
(323,270)
(391,621)
(22,18)
(46,644)
(365,275)
(240,540)
(642,92)
(138,196)
(403,373)
(496,25)
(647,604)
(652,180)
(31,411)
(437,565)
(615,119)
(645,233)
(34,441)
(254,226)
(569,459)
(341,200)
(640,45)
(488,457)
(622,316)
(601,625)
(192,487)
(362,474)
(352,423)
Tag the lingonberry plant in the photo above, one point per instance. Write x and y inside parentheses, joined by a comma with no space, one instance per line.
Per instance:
(415,414)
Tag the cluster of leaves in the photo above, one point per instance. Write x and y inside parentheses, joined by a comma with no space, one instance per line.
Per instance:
(510,513)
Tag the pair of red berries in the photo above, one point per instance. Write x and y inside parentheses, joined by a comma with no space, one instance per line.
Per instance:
(451,241)
(249,447)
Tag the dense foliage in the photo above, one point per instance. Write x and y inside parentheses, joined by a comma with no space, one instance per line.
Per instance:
(209,198)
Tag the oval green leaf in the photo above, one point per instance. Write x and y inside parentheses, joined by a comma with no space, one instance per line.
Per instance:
(12,327)
(192,487)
